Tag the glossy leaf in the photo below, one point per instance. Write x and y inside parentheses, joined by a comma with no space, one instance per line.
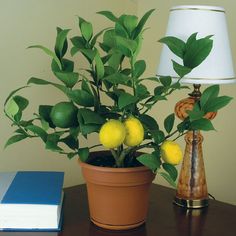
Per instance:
(171,170)
(139,68)
(169,122)
(61,42)
(130,22)
(91,117)
(149,122)
(11,108)
(217,103)
(83,154)
(126,99)
(68,78)
(197,52)
(202,124)
(181,70)
(209,94)
(81,97)
(176,45)
(38,131)
(168,178)
(165,80)
(86,30)
(109,15)
(150,161)
(15,139)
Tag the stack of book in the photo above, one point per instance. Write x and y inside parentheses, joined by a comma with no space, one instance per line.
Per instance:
(31,201)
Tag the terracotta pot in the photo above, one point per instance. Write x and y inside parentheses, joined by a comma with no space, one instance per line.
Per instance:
(118,197)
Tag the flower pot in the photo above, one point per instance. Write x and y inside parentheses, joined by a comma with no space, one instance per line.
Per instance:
(118,197)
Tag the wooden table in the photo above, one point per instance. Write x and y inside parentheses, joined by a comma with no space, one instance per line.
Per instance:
(164,218)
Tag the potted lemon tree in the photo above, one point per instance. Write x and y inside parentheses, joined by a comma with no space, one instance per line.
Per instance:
(111,98)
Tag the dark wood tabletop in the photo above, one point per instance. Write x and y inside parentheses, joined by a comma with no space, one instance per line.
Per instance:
(164,218)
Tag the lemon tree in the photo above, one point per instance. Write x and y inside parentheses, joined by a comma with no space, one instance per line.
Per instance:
(110,97)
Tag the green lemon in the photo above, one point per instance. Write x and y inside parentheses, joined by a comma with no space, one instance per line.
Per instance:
(134,132)
(64,115)
(112,134)
(171,153)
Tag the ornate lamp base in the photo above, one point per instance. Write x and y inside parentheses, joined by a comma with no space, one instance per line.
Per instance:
(192,186)
(192,204)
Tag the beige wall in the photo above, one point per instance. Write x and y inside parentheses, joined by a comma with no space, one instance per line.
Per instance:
(24,23)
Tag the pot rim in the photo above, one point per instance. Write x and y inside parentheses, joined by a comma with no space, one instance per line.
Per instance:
(111,169)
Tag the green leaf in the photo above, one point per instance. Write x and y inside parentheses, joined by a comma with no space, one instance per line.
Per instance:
(120,29)
(171,170)
(44,112)
(150,161)
(38,131)
(197,52)
(115,59)
(181,70)
(70,141)
(165,81)
(11,108)
(83,154)
(195,115)
(86,30)
(209,94)
(14,139)
(81,97)
(126,99)
(52,141)
(117,78)
(94,40)
(217,103)
(158,136)
(168,178)
(78,42)
(169,122)
(130,22)
(149,122)
(108,15)
(85,86)
(67,66)
(141,23)
(201,124)
(48,52)
(192,38)
(126,46)
(68,78)
(139,68)
(21,102)
(88,53)
(142,91)
(91,117)
(176,45)
(61,42)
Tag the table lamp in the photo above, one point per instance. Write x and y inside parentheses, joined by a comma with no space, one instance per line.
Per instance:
(216,69)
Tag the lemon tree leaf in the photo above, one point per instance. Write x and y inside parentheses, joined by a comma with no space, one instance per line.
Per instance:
(181,70)
(61,42)
(86,30)
(11,108)
(169,122)
(14,139)
(150,161)
(171,170)
(168,178)
(217,103)
(21,102)
(38,131)
(70,141)
(91,117)
(208,94)
(176,45)
(52,141)
(81,97)
(99,66)
(201,124)
(68,78)
(83,154)
(126,99)
(149,121)
(109,15)
(139,68)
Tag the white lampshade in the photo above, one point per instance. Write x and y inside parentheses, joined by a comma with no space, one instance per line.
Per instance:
(206,20)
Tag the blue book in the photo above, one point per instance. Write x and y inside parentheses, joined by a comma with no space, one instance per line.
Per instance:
(31,201)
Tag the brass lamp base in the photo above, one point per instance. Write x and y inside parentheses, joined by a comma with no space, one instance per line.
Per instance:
(191,204)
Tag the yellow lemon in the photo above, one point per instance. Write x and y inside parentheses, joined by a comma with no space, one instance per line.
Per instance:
(171,153)
(134,132)
(112,134)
